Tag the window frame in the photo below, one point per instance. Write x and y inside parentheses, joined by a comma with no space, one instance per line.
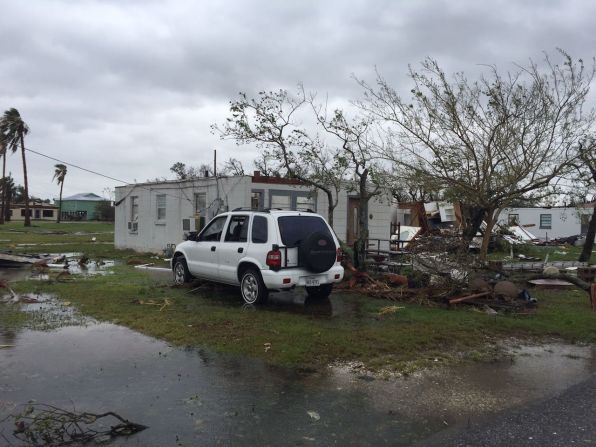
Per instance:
(544,226)
(158,208)
(237,217)
(134,206)
(256,218)
(200,210)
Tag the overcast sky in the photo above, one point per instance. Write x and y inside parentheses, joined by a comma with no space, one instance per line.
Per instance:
(128,87)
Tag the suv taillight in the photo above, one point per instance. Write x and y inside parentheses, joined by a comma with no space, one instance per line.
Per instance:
(274,259)
(340,255)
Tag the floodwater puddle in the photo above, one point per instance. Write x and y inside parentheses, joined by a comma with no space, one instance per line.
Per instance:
(193,396)
(66,262)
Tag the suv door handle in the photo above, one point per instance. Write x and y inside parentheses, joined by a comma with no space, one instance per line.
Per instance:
(240,249)
(213,248)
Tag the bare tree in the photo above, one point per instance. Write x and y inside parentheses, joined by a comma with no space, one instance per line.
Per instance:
(269,121)
(358,146)
(489,142)
(232,167)
(267,165)
(184,172)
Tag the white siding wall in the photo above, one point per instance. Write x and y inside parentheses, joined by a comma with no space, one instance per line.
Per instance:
(153,235)
(565,221)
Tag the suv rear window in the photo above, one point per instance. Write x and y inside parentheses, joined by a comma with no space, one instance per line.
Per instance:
(294,229)
(259,230)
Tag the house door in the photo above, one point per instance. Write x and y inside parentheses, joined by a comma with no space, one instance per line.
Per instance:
(353,225)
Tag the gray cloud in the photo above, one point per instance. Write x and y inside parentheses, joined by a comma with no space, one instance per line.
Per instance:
(130,87)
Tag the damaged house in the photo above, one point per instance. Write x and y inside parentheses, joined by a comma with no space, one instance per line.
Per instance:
(153,216)
(526,224)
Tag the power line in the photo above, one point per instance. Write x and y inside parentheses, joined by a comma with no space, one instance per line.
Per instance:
(78,167)
(107,176)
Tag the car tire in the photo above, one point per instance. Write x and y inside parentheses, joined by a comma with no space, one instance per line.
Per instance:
(321,292)
(181,273)
(252,287)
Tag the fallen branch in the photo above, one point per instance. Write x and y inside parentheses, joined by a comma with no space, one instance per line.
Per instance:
(43,424)
(468,297)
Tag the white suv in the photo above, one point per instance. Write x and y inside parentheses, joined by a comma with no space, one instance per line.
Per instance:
(263,251)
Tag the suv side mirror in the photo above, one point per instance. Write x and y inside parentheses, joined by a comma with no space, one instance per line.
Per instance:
(191,236)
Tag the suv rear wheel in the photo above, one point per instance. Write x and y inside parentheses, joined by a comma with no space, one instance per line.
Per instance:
(321,292)
(181,273)
(252,287)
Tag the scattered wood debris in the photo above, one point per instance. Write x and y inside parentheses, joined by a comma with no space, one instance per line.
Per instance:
(162,304)
(43,424)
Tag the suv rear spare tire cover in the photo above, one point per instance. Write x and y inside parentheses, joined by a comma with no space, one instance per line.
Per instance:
(317,253)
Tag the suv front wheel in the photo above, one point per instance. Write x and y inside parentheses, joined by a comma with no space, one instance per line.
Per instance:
(181,273)
(252,287)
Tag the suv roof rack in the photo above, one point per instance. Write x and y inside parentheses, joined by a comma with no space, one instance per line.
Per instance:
(247,208)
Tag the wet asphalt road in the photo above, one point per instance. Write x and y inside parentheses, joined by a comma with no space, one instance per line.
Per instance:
(565,420)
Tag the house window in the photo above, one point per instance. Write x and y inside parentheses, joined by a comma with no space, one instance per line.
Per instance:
(160,202)
(513,219)
(23,212)
(256,200)
(305,203)
(281,201)
(200,203)
(48,213)
(134,208)
(546,221)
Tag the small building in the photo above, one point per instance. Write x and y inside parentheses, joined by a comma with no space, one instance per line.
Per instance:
(550,222)
(151,216)
(81,206)
(542,222)
(37,211)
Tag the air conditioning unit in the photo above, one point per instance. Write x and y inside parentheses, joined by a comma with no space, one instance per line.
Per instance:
(189,225)
(133,227)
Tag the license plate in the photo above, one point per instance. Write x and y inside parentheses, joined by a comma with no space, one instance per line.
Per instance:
(312,282)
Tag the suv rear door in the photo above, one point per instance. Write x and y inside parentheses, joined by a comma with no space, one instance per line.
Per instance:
(233,248)
(293,229)
(203,255)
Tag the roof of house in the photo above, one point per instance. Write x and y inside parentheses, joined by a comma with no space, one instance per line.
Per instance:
(85,196)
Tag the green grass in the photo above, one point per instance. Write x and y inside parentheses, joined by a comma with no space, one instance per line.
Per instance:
(412,337)
(555,253)
(66,237)
(213,317)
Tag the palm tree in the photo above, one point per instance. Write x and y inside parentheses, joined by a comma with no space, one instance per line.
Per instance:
(59,175)
(9,191)
(12,131)
(3,195)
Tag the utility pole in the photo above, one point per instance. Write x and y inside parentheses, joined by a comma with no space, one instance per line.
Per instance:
(215,163)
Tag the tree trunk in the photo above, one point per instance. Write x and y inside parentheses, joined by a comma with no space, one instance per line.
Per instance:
(3,195)
(362,241)
(491,219)
(586,253)
(472,217)
(60,205)
(27,216)
(8,197)
(330,208)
